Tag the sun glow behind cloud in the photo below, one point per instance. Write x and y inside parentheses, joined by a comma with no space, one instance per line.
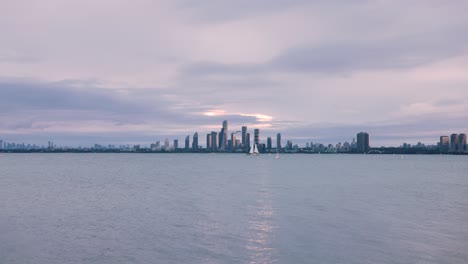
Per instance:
(259,117)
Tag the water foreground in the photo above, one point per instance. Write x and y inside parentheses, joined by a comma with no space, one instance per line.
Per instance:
(137,208)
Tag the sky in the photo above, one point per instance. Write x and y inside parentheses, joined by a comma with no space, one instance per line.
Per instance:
(138,71)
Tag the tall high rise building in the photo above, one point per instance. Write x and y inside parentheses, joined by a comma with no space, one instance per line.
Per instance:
(278,141)
(233,141)
(195,142)
(453,143)
(444,144)
(209,141)
(1,144)
(363,142)
(289,145)
(214,141)
(268,146)
(461,143)
(225,135)
(247,141)
(257,136)
(166,144)
(244,137)
(176,144)
(187,142)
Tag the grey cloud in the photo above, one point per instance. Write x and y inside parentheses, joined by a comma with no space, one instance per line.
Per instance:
(16,96)
(225,10)
(214,10)
(38,105)
(350,56)
(395,53)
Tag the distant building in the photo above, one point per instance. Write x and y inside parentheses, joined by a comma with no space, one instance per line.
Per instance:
(176,144)
(233,142)
(1,144)
(363,142)
(224,138)
(461,143)
(278,141)
(289,145)
(268,145)
(214,141)
(257,136)
(244,136)
(187,142)
(166,144)
(209,141)
(453,143)
(247,141)
(444,144)
(195,142)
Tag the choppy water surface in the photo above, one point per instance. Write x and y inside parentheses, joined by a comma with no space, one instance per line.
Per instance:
(210,208)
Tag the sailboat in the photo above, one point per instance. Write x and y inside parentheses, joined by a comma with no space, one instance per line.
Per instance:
(254,150)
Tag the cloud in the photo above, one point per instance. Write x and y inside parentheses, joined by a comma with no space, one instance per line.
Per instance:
(145,69)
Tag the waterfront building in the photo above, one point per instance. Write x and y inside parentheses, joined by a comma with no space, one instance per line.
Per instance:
(268,145)
(176,144)
(257,136)
(187,142)
(214,141)
(444,144)
(195,142)
(461,143)
(244,137)
(209,141)
(166,144)
(278,141)
(247,141)
(233,141)
(225,134)
(363,142)
(289,145)
(453,143)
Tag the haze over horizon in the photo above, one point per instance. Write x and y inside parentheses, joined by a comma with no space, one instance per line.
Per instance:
(85,72)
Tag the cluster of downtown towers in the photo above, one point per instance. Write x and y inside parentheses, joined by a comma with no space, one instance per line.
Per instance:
(224,142)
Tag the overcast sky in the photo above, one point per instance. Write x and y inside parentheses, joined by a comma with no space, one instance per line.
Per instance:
(136,71)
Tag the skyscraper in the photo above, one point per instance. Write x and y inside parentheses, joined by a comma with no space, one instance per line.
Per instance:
(269,144)
(166,144)
(187,142)
(244,136)
(209,141)
(225,135)
(257,136)
(195,142)
(233,141)
(176,144)
(1,144)
(278,141)
(453,143)
(214,141)
(220,138)
(247,141)
(461,143)
(362,142)
(444,144)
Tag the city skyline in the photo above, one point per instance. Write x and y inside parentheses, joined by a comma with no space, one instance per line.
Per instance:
(220,142)
(318,70)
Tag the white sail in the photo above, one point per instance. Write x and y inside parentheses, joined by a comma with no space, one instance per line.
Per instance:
(254,150)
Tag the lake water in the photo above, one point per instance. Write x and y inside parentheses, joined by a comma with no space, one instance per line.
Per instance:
(231,208)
